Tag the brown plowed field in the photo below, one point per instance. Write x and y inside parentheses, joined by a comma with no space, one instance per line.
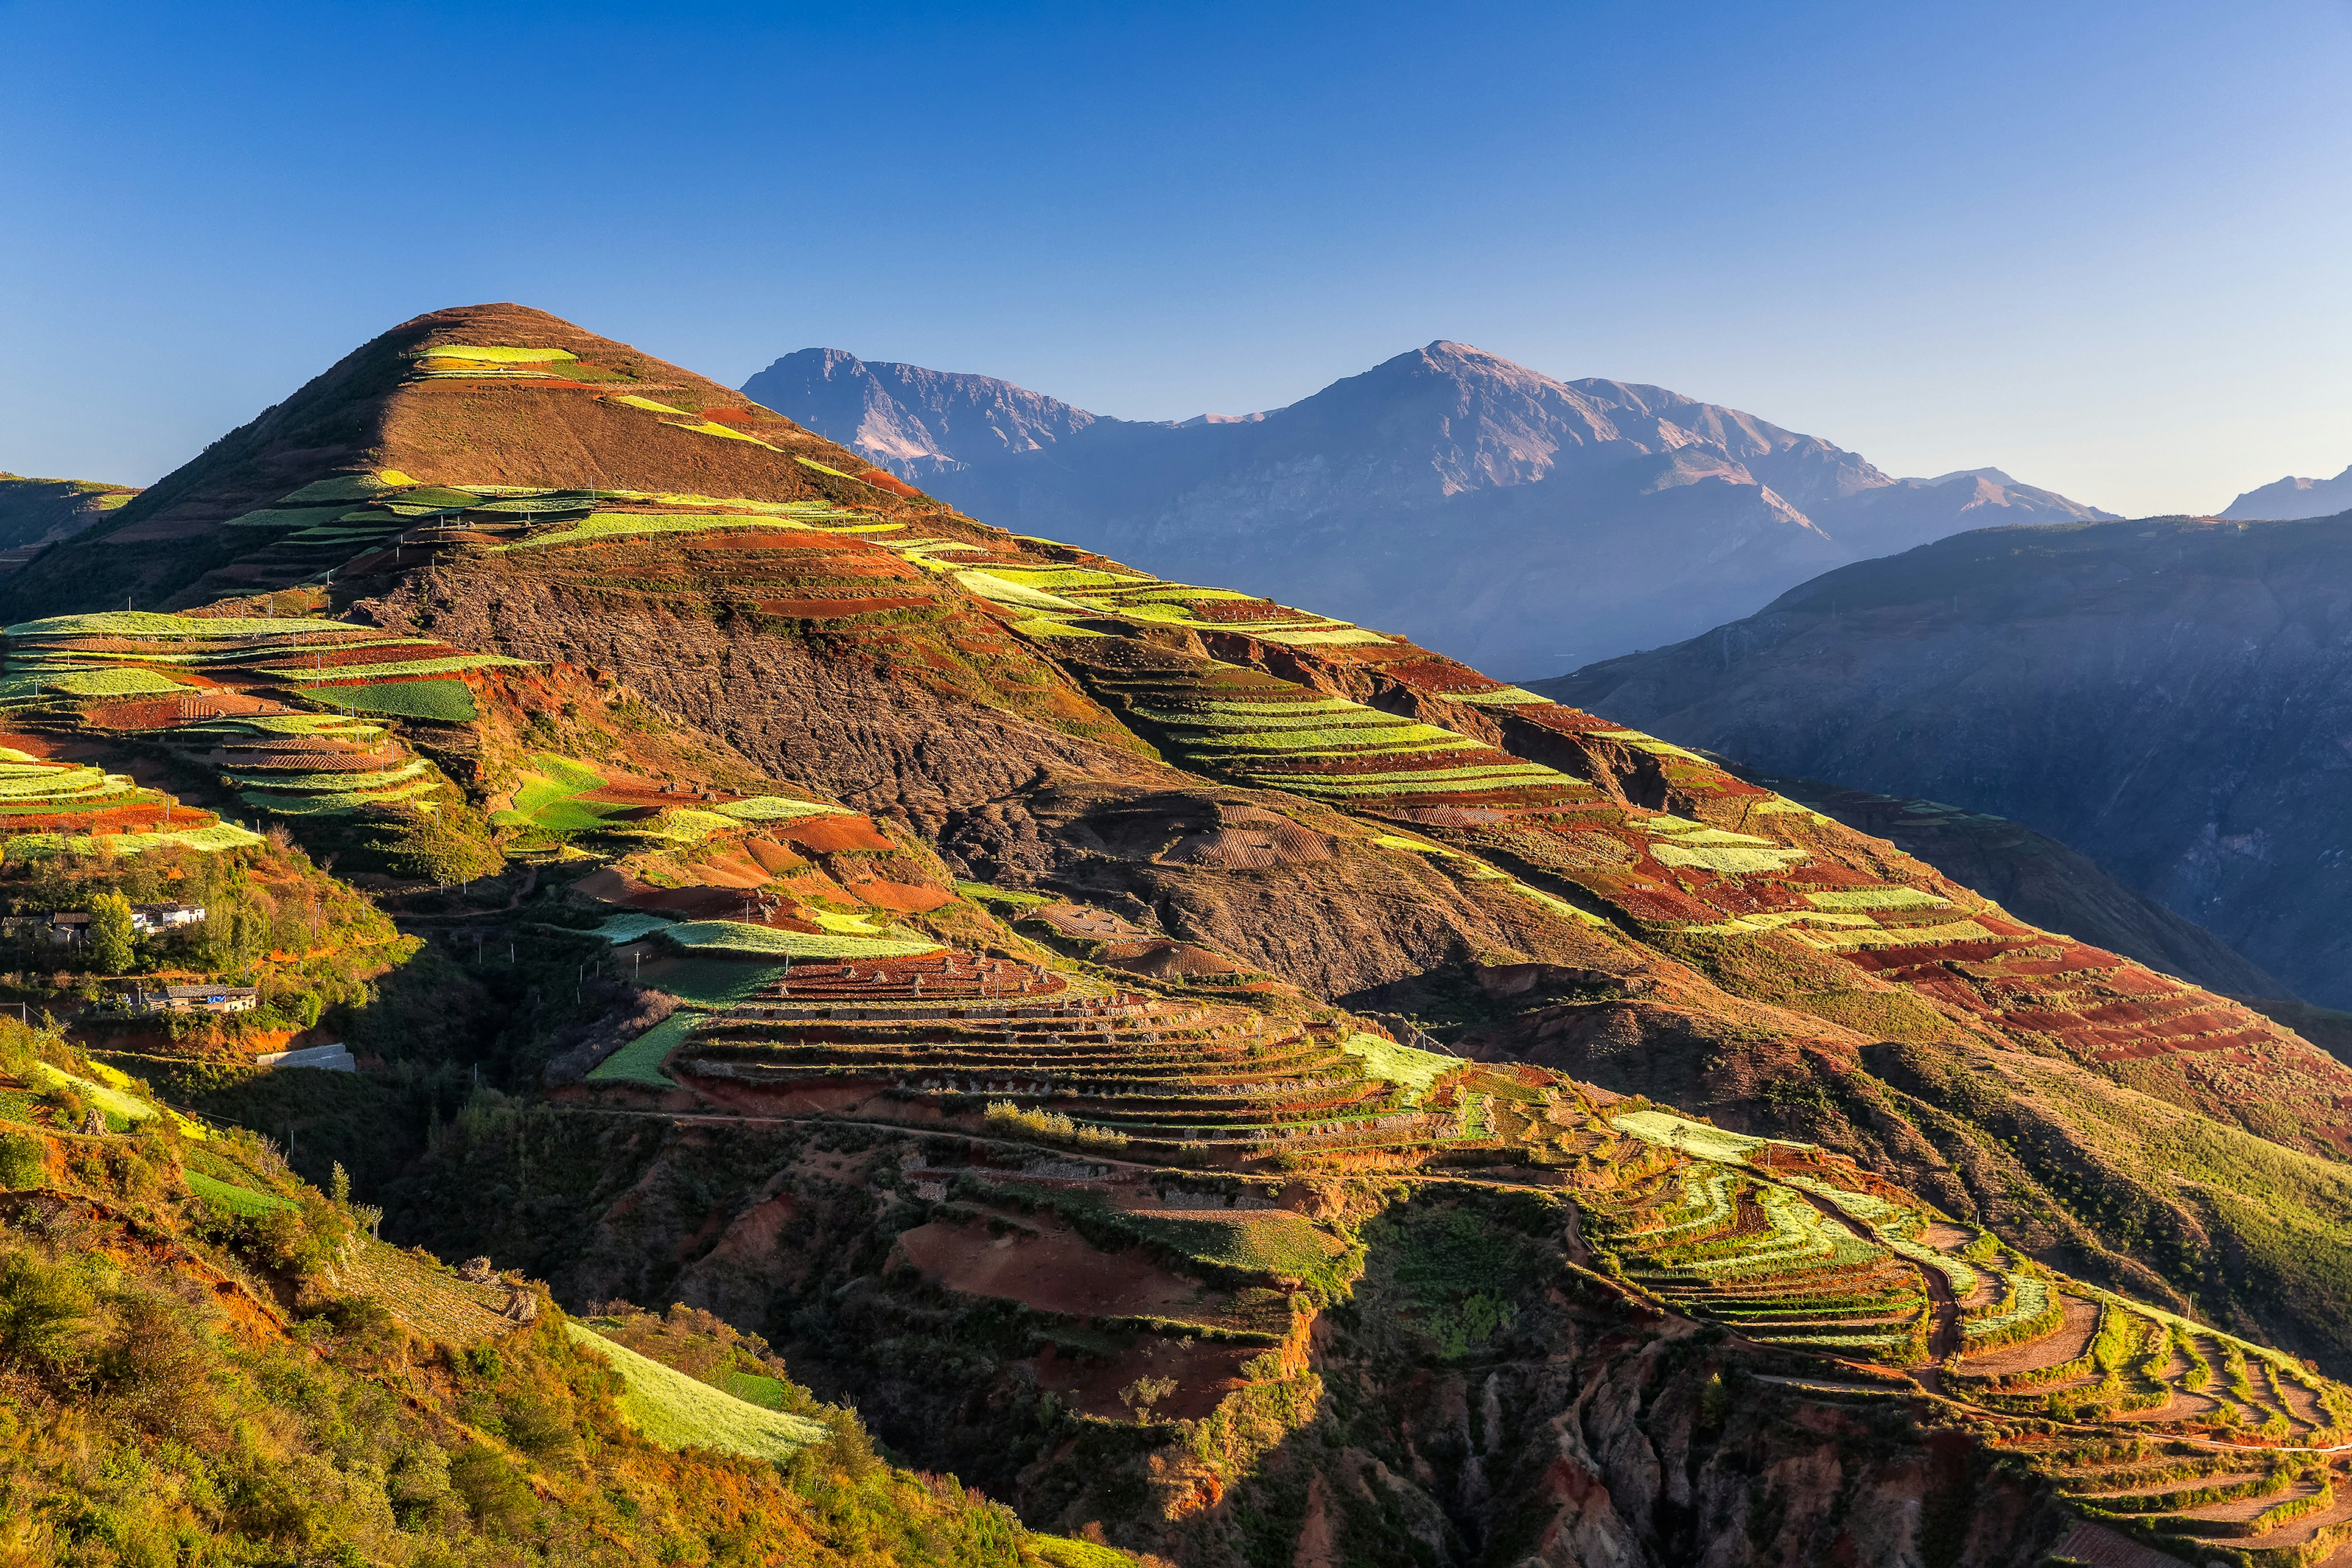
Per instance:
(2073,1336)
(1054,1270)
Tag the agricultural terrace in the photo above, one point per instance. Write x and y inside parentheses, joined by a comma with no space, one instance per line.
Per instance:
(557,798)
(2144,1418)
(1029,1053)
(48,807)
(1258,730)
(1730,863)
(237,696)
(1061,593)
(352,524)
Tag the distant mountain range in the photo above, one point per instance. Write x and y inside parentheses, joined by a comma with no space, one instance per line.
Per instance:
(2171,697)
(1491,511)
(2292,497)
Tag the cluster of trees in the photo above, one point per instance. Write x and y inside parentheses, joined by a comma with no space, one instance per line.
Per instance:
(272,919)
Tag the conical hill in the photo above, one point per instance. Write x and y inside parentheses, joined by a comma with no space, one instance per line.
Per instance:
(484,395)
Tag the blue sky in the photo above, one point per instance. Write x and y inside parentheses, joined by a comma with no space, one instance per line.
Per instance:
(2102,246)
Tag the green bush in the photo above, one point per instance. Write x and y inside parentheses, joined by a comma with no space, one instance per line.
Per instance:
(451,845)
(495,1492)
(22,1162)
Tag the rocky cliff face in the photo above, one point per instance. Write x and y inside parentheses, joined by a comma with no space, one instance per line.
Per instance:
(1497,513)
(2167,697)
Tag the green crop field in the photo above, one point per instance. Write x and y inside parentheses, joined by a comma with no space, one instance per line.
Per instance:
(220,835)
(1435,781)
(56,784)
(621,928)
(1875,898)
(549,798)
(1273,1241)
(776,808)
(150,623)
(1060,579)
(497,354)
(344,488)
(733,936)
(1271,720)
(1414,1070)
(679,1411)
(337,803)
(1734,858)
(713,427)
(403,667)
(1691,1137)
(448,702)
(113,683)
(712,983)
(605,525)
(639,1062)
(1398,736)
(111,1095)
(997,590)
(337,782)
(1336,636)
(236,1200)
(288,517)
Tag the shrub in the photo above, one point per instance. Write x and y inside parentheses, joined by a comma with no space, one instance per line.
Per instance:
(1007,1118)
(45,1312)
(22,1161)
(448,846)
(495,1494)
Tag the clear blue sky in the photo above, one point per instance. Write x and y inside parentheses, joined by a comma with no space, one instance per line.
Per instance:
(2103,245)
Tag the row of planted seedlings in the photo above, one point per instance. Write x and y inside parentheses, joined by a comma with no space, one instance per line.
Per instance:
(2258,1507)
(2138,1361)
(1754,1255)
(1258,729)
(1176,1084)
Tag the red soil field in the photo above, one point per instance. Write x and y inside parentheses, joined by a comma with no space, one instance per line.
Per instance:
(886,895)
(1053,1270)
(332,657)
(829,609)
(1659,904)
(891,482)
(772,857)
(1881,958)
(1427,674)
(1824,876)
(142,818)
(827,835)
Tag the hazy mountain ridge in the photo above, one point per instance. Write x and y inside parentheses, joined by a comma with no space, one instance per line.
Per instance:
(2166,696)
(1496,512)
(2292,497)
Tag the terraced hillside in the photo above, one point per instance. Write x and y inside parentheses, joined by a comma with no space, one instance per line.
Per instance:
(1230,1081)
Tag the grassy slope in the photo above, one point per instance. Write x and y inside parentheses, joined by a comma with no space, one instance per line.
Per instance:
(157,1402)
(679,1411)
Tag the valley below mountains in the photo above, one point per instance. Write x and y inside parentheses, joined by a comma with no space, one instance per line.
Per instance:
(878,1037)
(1517,522)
